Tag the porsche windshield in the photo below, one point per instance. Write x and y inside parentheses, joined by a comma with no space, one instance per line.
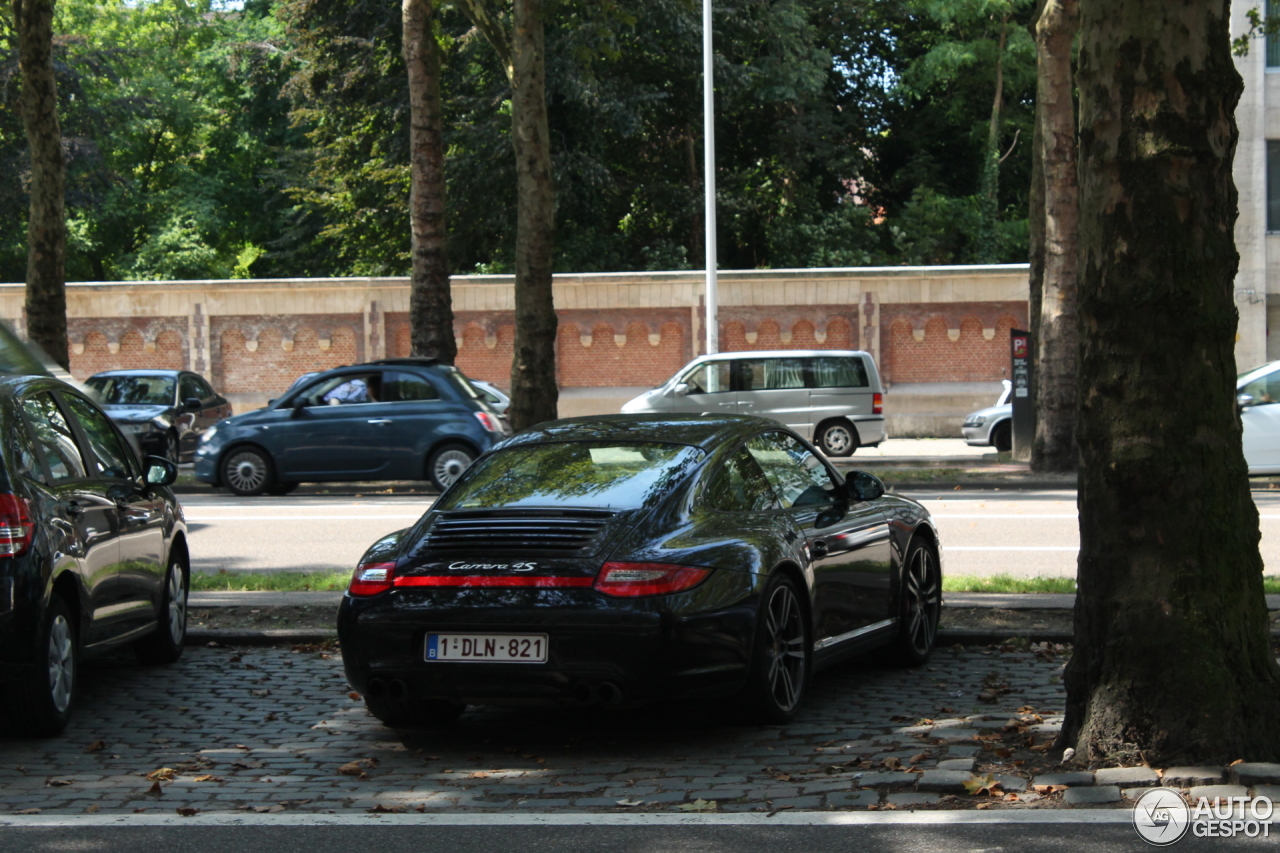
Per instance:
(613,475)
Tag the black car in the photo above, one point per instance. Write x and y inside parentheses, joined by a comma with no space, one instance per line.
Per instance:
(621,559)
(164,411)
(93,549)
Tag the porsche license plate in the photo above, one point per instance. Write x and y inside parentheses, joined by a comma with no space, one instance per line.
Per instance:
(487,648)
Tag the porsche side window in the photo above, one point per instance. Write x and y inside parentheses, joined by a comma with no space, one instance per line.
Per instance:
(53,434)
(740,486)
(798,477)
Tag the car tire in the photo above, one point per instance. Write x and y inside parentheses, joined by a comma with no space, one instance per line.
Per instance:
(248,471)
(919,604)
(414,713)
(1002,436)
(447,462)
(838,438)
(164,645)
(40,703)
(780,656)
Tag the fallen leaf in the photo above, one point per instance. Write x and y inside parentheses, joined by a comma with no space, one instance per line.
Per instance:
(155,788)
(260,693)
(242,746)
(357,767)
(917,758)
(892,763)
(1003,753)
(353,696)
(162,774)
(783,777)
(187,811)
(1012,798)
(58,783)
(1028,709)
(207,777)
(1237,761)
(270,718)
(28,811)
(92,808)
(271,809)
(889,807)
(981,784)
(699,806)
(631,802)
(381,809)
(95,746)
(983,806)
(479,774)
(1050,789)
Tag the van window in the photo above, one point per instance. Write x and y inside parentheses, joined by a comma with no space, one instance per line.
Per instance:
(844,372)
(709,378)
(764,374)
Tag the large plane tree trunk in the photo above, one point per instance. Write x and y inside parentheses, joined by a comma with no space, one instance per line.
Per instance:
(1056,339)
(430,301)
(46,297)
(534,391)
(1172,660)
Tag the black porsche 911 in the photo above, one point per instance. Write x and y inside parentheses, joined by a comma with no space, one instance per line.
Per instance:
(627,558)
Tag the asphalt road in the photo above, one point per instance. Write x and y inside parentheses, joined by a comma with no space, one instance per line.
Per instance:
(887,835)
(1023,533)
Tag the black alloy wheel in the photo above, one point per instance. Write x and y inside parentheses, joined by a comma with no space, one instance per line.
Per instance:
(40,703)
(838,438)
(780,662)
(247,471)
(165,644)
(921,604)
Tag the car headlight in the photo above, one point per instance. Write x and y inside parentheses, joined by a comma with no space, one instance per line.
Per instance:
(975,421)
(135,429)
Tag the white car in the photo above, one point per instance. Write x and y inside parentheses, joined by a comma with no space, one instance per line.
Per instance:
(992,425)
(1258,392)
(493,395)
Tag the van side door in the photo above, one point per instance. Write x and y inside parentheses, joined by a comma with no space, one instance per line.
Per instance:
(775,388)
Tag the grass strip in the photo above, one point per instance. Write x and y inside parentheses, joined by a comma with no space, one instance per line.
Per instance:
(1010,584)
(270,581)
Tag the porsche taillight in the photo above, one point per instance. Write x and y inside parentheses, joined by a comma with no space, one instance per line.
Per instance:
(630,580)
(371,579)
(16,526)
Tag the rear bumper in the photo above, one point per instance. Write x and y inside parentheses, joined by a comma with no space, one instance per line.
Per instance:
(627,654)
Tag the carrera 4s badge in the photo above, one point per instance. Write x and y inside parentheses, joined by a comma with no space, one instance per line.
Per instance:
(492,567)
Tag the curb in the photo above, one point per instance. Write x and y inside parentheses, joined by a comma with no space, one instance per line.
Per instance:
(274,637)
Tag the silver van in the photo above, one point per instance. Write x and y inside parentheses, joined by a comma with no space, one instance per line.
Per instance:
(833,397)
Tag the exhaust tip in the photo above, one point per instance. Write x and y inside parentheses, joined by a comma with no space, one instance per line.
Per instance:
(609,693)
(375,688)
(398,689)
(584,693)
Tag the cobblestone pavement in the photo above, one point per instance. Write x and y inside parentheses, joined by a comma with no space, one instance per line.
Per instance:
(275,728)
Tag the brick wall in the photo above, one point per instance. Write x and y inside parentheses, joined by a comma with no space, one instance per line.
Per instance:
(253,338)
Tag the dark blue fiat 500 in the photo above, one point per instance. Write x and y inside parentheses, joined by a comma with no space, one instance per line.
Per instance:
(622,559)
(397,419)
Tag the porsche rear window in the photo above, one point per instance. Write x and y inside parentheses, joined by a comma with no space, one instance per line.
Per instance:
(611,475)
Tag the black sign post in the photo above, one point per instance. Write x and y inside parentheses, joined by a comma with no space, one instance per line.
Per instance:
(1024,424)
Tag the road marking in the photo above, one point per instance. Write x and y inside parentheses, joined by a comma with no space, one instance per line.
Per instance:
(789,818)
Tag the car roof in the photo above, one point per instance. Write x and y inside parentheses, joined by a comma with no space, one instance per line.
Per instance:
(704,431)
(781,353)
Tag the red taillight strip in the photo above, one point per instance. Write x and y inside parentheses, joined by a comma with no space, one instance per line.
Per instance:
(491,580)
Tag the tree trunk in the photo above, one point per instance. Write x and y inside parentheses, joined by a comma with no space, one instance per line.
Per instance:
(46,297)
(1035,234)
(1172,660)
(534,391)
(989,197)
(430,301)
(1056,340)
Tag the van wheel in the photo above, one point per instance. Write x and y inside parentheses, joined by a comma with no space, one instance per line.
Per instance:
(838,438)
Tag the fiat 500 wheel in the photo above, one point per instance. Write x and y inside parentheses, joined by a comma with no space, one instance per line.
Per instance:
(247,471)
(447,464)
